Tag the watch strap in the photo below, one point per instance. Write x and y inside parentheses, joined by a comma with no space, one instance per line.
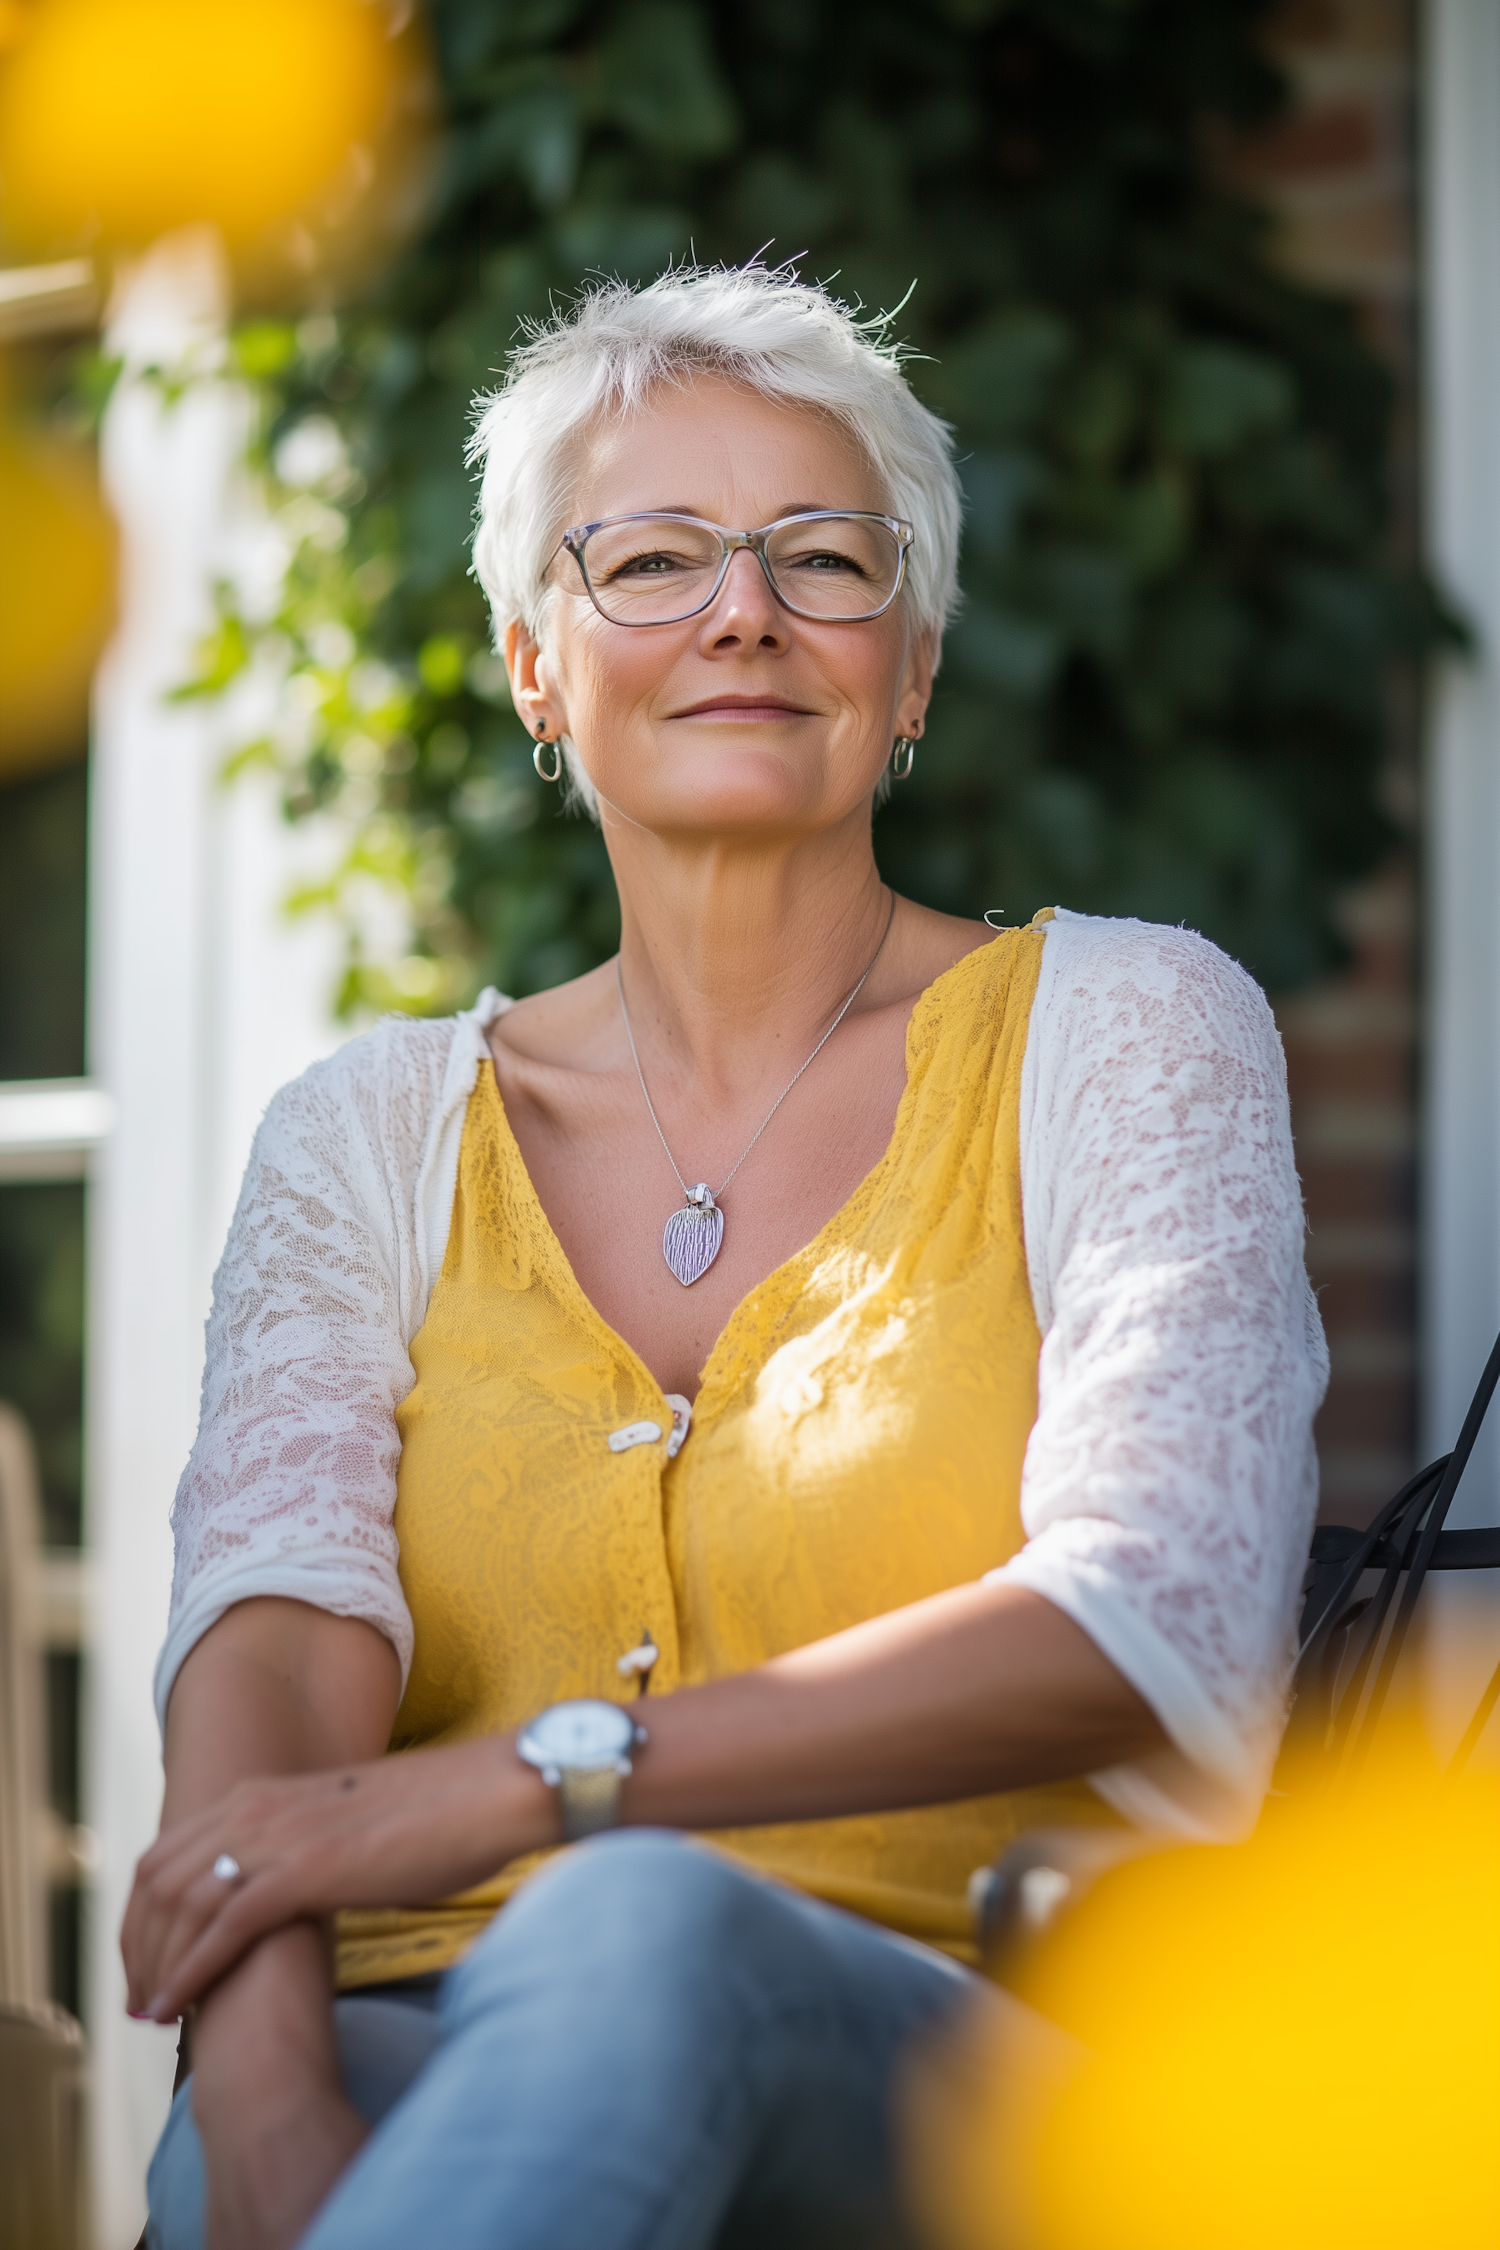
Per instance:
(590,1799)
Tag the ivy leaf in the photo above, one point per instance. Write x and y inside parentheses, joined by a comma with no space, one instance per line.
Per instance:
(442,663)
(998,487)
(1086,594)
(1099,414)
(540,132)
(998,648)
(658,77)
(220,657)
(635,243)
(262,349)
(1217,395)
(777,198)
(473,31)
(1150,523)
(996,380)
(92,379)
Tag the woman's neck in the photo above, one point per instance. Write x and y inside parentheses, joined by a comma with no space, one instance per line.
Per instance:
(735,958)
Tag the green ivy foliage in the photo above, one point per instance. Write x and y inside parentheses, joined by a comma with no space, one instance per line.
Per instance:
(1167,693)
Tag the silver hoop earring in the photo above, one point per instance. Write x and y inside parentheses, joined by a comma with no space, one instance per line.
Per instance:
(557,758)
(903,757)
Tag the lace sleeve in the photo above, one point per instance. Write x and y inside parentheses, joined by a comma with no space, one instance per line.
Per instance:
(1170,1483)
(290,1486)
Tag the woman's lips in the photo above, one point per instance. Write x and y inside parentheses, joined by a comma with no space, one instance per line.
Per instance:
(746,713)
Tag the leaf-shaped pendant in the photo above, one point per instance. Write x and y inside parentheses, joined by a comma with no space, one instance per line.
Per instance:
(690,1241)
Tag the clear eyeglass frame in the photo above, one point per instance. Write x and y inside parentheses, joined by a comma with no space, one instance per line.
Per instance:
(578,535)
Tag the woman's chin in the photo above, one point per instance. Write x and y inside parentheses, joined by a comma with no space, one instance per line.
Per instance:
(736,813)
(740,796)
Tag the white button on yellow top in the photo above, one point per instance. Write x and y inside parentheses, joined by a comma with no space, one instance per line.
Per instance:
(639,1662)
(634,1433)
(682,1415)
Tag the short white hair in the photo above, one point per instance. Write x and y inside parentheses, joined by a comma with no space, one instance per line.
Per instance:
(761,326)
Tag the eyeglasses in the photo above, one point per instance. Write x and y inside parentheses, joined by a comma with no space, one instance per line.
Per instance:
(838,567)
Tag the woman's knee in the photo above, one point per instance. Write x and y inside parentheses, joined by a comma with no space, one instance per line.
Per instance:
(636,1904)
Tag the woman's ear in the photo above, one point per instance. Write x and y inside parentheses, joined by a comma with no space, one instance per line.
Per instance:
(534,702)
(916,685)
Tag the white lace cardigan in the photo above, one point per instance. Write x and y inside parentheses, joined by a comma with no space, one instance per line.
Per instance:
(1170,1482)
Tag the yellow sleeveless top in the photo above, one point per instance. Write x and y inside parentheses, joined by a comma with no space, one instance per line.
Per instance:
(856,1444)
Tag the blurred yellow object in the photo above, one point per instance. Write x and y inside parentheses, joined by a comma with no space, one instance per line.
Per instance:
(1293,2044)
(57,555)
(123,119)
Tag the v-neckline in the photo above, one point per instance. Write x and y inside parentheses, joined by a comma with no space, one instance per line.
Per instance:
(712,1376)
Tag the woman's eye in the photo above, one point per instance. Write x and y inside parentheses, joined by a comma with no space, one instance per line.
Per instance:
(826,559)
(655,565)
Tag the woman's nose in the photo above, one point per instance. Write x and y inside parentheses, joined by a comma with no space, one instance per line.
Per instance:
(745,610)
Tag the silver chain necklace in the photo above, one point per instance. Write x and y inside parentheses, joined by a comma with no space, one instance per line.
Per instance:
(693,1235)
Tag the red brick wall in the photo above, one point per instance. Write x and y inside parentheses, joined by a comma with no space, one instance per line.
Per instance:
(1337,173)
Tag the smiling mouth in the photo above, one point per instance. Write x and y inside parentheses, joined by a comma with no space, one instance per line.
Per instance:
(746,709)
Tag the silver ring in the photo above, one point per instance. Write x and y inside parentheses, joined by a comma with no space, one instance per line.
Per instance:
(227,1868)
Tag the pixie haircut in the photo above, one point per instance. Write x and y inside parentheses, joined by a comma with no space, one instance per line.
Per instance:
(759,326)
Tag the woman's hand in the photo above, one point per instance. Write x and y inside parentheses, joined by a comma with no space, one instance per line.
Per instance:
(273,1738)
(397,1831)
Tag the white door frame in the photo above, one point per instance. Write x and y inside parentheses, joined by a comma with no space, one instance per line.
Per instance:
(1459,79)
(201,1002)
(1460,124)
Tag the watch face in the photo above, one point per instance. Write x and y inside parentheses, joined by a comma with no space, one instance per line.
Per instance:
(584,1734)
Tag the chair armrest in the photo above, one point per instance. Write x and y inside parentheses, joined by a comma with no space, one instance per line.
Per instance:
(1044,1875)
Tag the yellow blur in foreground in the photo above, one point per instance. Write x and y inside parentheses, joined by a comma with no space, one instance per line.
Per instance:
(122,119)
(1293,2042)
(57,555)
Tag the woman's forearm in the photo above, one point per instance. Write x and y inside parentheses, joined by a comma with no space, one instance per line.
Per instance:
(275,1687)
(979,1689)
(267,2095)
(263,2037)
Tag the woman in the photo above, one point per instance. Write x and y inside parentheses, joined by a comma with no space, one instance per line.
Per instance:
(883,1341)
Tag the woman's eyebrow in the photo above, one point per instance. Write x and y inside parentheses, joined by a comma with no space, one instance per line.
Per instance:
(658,508)
(791,508)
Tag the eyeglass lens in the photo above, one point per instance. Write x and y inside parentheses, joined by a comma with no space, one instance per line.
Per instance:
(653,569)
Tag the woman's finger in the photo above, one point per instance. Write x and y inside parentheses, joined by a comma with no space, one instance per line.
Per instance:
(205,1905)
(283,1876)
(156,1901)
(201,1955)
(174,1891)
(301,1865)
(303,1846)
(171,1921)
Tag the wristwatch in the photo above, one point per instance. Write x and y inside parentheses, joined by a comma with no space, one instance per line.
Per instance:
(582,1750)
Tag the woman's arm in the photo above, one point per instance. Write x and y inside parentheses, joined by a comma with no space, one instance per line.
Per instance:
(291,1485)
(275,1688)
(1170,1482)
(978,1689)
(284,1540)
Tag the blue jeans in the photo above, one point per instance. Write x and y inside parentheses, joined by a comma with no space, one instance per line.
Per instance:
(648,2050)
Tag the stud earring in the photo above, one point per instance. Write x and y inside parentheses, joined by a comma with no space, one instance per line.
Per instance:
(903,757)
(557,757)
